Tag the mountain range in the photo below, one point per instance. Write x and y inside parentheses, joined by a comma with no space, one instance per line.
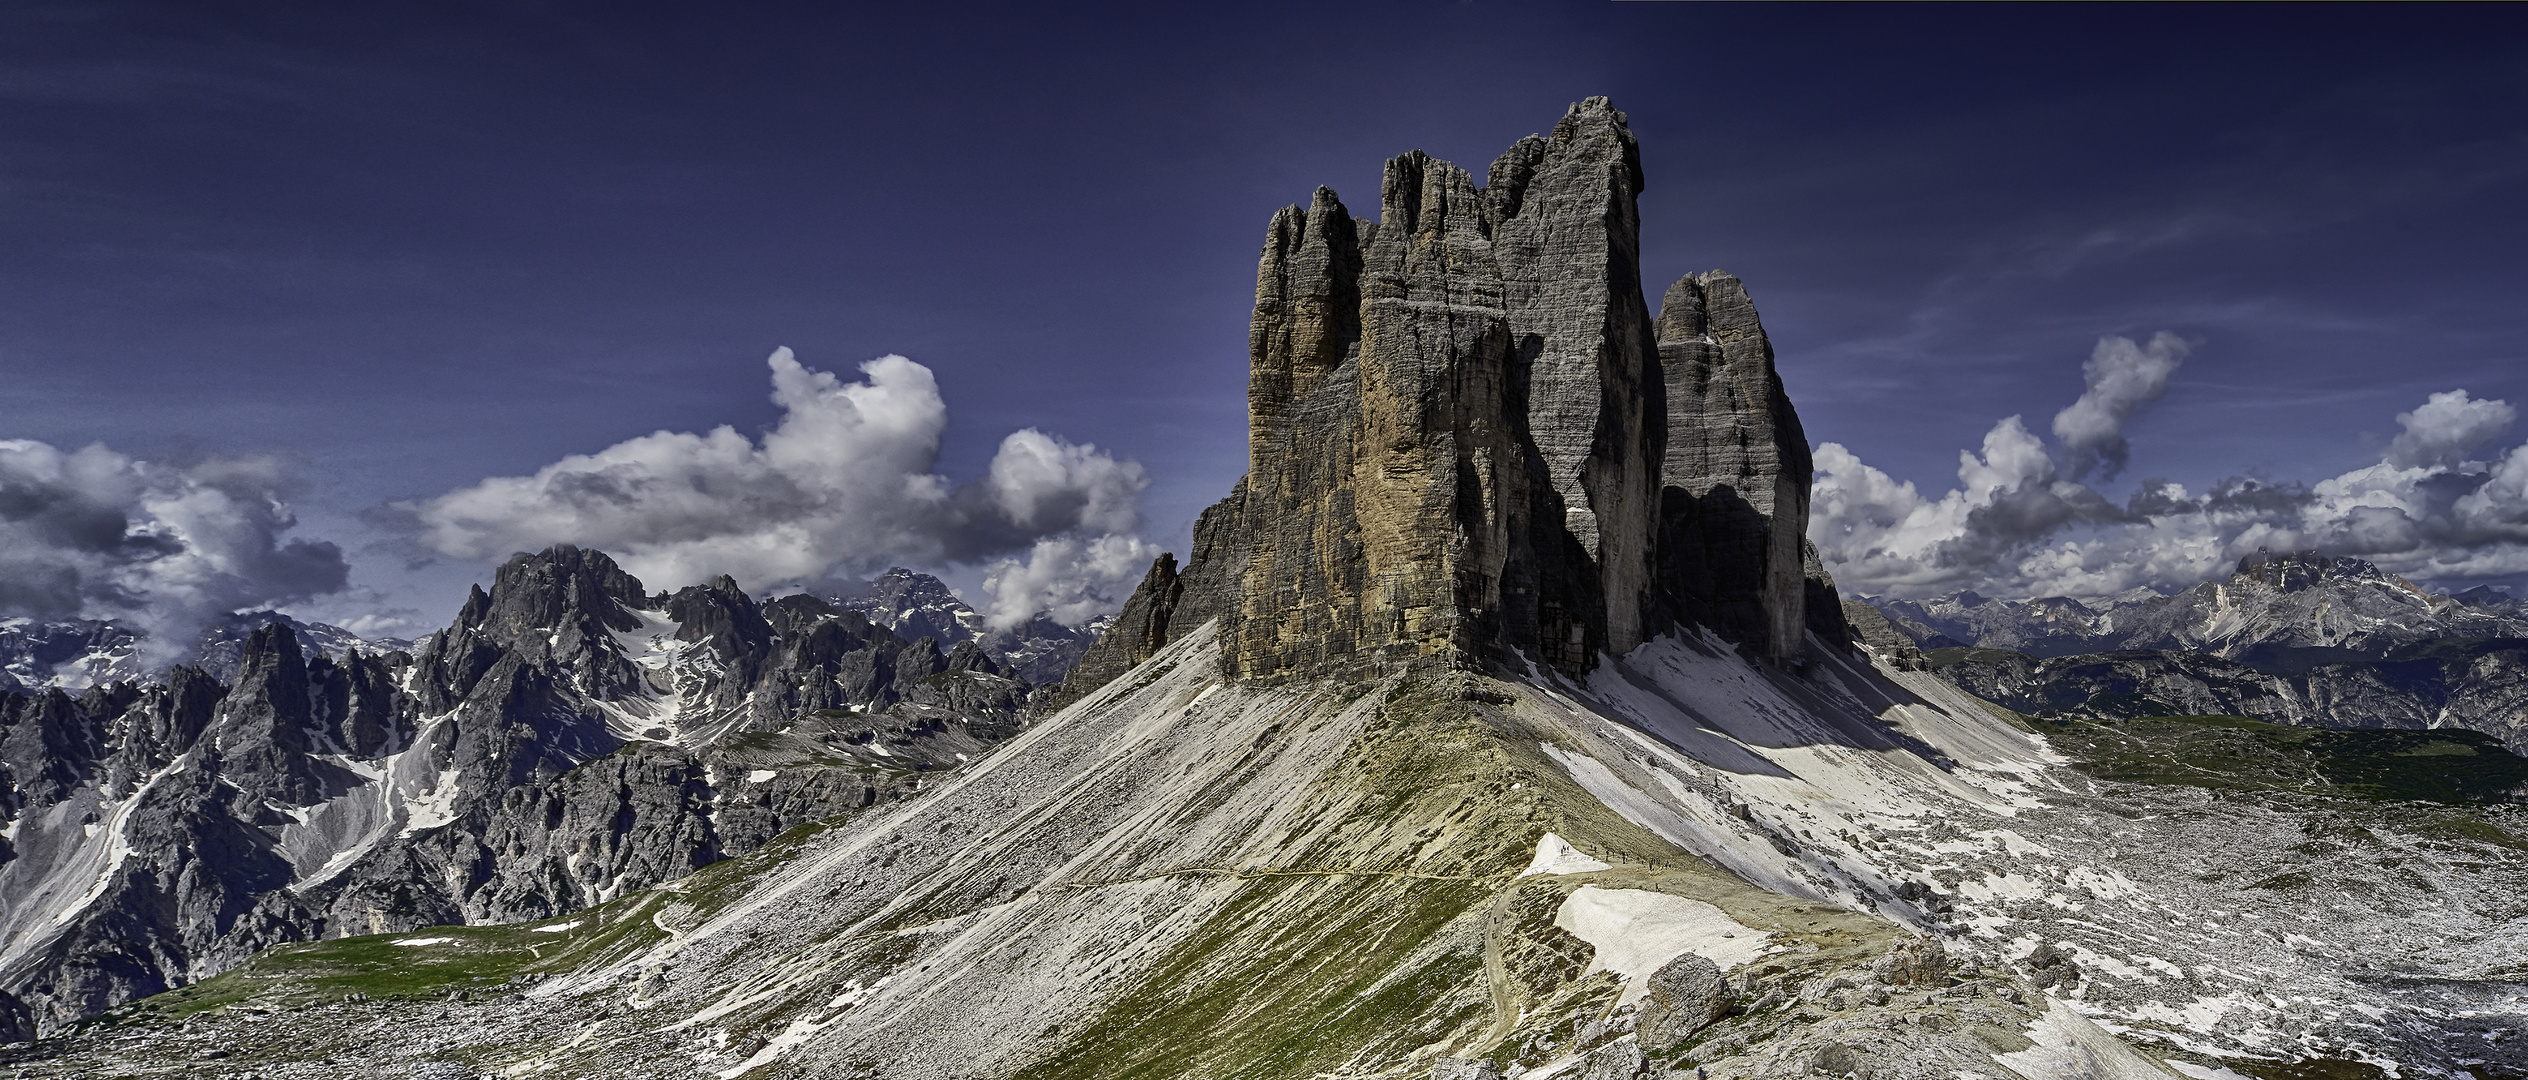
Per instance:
(2296,639)
(76,654)
(2288,611)
(567,738)
(1498,725)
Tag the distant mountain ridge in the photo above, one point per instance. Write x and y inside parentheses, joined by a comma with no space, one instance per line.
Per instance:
(916,605)
(75,654)
(2275,612)
(2300,639)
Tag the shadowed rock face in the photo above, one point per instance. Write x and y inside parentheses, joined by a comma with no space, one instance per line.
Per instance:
(1734,483)
(1467,444)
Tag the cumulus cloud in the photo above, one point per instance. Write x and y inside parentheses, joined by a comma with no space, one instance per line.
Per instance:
(1070,578)
(92,533)
(1874,529)
(2446,428)
(2122,377)
(2497,511)
(2015,526)
(845,481)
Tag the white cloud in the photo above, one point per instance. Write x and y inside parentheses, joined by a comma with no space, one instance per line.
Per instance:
(2014,527)
(2445,428)
(2498,510)
(844,481)
(94,534)
(1038,480)
(2122,377)
(1874,530)
(1072,579)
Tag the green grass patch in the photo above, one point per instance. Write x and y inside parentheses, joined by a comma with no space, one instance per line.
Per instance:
(2238,753)
(431,962)
(1269,989)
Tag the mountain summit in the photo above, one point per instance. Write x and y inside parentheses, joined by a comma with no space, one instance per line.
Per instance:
(1470,444)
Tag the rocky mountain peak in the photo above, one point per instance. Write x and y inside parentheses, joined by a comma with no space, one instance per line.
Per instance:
(556,610)
(266,719)
(1469,445)
(557,589)
(722,616)
(913,605)
(2491,598)
(2294,571)
(916,605)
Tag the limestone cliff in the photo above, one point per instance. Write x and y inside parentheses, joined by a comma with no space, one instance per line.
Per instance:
(1734,485)
(1469,443)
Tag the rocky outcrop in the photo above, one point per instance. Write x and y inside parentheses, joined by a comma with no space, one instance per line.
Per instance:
(1468,446)
(1684,996)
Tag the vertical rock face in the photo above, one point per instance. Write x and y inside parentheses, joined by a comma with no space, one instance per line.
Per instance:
(1470,444)
(1568,239)
(1733,505)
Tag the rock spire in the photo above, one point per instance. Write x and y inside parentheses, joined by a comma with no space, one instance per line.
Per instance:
(1469,442)
(1733,504)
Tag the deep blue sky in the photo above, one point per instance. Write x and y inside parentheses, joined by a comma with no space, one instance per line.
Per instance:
(416,245)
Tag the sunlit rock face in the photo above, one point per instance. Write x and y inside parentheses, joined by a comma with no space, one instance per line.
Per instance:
(1469,443)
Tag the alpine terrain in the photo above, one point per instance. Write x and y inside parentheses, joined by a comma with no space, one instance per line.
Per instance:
(1498,724)
(570,737)
(2296,639)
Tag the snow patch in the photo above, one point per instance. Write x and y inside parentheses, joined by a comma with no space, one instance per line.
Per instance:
(413,941)
(1636,932)
(434,809)
(761,775)
(117,846)
(555,928)
(1555,855)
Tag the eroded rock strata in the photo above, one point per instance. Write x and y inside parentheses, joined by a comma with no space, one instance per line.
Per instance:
(1470,444)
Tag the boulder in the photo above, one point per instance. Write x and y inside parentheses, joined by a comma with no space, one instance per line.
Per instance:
(1917,962)
(1683,997)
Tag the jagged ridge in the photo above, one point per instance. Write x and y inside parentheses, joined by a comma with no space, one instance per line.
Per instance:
(567,738)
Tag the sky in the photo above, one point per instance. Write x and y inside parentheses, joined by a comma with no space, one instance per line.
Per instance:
(333,308)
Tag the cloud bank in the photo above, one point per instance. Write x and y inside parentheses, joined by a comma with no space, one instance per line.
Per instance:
(95,534)
(2019,525)
(846,481)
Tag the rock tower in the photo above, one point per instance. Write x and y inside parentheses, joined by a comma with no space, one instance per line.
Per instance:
(1469,442)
